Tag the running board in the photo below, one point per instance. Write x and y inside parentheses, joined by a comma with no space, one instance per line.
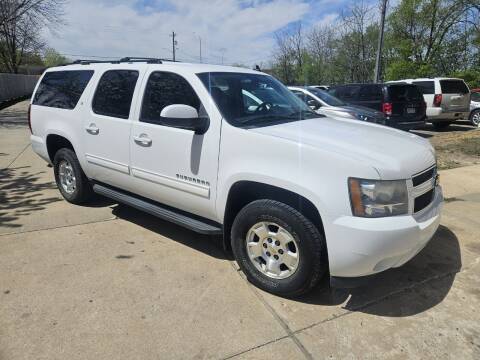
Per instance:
(180,218)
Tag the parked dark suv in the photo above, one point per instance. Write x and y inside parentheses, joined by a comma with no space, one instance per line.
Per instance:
(402,104)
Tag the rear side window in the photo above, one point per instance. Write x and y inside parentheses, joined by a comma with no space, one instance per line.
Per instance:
(404,93)
(371,93)
(426,87)
(114,93)
(346,92)
(453,87)
(62,89)
(163,89)
(476,96)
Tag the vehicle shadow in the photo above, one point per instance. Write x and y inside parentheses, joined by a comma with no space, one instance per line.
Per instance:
(210,245)
(21,193)
(417,286)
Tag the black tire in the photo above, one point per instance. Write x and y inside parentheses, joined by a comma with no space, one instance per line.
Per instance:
(83,189)
(441,125)
(475,117)
(312,263)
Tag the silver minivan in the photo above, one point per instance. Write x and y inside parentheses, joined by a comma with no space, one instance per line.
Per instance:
(447,99)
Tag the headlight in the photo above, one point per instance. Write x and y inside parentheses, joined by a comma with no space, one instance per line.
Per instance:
(378,198)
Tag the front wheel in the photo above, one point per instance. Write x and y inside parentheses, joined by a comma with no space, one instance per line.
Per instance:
(278,248)
(475,117)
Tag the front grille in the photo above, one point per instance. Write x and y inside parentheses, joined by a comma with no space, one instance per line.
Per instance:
(421,178)
(423,188)
(423,201)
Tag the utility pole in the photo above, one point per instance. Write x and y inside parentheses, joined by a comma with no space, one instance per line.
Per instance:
(174,44)
(200,41)
(222,50)
(378,62)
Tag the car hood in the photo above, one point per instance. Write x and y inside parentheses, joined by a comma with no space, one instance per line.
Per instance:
(393,153)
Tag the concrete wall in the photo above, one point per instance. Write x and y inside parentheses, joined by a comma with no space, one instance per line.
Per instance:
(16,85)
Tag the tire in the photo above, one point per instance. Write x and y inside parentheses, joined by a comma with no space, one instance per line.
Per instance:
(308,245)
(65,161)
(441,125)
(475,117)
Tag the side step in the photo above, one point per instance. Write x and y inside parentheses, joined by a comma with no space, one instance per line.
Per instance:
(190,222)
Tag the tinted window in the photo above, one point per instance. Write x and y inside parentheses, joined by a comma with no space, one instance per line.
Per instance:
(163,89)
(325,96)
(62,89)
(371,93)
(476,96)
(426,87)
(347,93)
(404,93)
(114,93)
(453,87)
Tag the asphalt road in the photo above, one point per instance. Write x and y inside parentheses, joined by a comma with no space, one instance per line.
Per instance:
(108,282)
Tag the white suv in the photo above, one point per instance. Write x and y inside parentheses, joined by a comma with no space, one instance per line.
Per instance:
(447,99)
(297,197)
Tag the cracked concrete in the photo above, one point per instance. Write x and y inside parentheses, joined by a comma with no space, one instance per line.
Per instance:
(106,281)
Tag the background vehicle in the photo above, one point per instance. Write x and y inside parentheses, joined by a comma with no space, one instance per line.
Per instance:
(324,103)
(475,107)
(320,87)
(402,104)
(295,197)
(447,99)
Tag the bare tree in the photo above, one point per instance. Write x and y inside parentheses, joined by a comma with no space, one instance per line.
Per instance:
(20,24)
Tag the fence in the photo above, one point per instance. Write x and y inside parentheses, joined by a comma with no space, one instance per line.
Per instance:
(13,86)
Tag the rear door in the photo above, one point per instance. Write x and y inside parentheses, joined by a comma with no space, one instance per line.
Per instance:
(455,95)
(407,102)
(371,96)
(427,88)
(107,127)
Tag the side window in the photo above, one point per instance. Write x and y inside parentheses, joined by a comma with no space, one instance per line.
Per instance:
(426,87)
(163,89)
(62,89)
(113,96)
(371,93)
(348,93)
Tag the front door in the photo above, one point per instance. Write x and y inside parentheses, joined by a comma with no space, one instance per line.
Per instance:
(171,165)
(107,127)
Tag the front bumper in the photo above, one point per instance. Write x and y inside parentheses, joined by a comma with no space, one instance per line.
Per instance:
(364,246)
(40,148)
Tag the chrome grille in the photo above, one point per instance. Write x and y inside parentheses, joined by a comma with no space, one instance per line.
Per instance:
(424,188)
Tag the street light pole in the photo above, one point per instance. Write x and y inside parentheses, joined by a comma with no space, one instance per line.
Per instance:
(378,62)
(174,43)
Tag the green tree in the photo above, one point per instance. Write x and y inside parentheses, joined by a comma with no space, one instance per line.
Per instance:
(52,58)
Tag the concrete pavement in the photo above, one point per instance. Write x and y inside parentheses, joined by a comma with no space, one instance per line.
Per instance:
(109,282)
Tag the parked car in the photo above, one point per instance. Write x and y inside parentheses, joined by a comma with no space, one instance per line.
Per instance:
(447,99)
(297,198)
(402,104)
(324,103)
(475,107)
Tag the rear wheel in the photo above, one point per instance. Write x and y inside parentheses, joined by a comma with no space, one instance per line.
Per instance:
(475,117)
(70,178)
(278,249)
(441,125)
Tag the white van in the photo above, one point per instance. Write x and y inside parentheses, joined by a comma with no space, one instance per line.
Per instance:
(448,99)
(297,197)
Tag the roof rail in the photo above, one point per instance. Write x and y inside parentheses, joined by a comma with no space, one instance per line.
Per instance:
(129,59)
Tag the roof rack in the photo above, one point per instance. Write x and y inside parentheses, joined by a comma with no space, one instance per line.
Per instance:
(129,59)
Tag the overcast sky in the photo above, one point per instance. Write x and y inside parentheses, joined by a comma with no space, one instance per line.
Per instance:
(240,30)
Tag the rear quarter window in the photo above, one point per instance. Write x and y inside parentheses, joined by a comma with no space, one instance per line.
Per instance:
(62,89)
(453,87)
(426,87)
(346,92)
(371,93)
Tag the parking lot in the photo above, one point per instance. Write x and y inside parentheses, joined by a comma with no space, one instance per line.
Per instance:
(106,281)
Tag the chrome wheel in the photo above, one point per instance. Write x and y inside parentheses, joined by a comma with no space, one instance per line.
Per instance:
(273,250)
(476,118)
(67,176)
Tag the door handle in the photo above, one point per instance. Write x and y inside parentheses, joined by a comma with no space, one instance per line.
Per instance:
(92,129)
(142,140)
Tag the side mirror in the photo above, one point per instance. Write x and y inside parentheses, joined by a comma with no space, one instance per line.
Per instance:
(313,104)
(186,117)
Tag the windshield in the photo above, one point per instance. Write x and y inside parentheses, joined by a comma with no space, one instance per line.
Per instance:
(326,97)
(252,100)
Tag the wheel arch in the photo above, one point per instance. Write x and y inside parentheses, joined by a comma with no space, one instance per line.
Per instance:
(243,192)
(55,142)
